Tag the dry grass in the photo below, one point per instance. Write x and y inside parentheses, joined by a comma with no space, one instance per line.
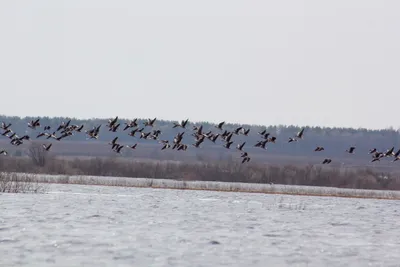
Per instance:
(20,183)
(229,171)
(214,186)
(200,174)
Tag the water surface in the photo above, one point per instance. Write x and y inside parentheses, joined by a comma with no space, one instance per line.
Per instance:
(77,225)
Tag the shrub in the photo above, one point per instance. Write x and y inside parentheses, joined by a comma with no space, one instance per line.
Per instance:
(16,183)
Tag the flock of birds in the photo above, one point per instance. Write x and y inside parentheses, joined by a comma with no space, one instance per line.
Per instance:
(148,131)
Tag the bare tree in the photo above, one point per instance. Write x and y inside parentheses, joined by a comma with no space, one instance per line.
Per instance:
(37,154)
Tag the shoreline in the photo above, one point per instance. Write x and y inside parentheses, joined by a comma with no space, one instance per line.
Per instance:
(296,190)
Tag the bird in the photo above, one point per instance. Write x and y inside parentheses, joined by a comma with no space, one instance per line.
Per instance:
(228,144)
(131,124)
(6,132)
(118,148)
(389,152)
(113,141)
(144,135)
(262,132)
(203,135)
(397,154)
(300,134)
(182,124)
(219,126)
(47,148)
(327,161)
(245,159)
(261,144)
(237,130)
(198,142)
(246,132)
(34,123)
(63,125)
(244,154)
(240,146)
(114,127)
(150,122)
(5,126)
(111,122)
(79,129)
(165,146)
(133,146)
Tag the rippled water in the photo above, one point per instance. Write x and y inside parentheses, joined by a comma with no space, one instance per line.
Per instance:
(75,225)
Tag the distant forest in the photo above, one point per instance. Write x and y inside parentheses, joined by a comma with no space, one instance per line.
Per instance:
(334,140)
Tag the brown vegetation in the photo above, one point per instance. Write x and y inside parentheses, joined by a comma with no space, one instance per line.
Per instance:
(17,183)
(37,154)
(225,171)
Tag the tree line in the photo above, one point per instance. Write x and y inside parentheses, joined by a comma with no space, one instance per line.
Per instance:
(334,140)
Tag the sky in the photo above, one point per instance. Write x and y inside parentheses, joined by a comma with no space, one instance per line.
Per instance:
(315,63)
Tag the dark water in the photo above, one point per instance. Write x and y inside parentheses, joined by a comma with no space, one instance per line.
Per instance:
(75,225)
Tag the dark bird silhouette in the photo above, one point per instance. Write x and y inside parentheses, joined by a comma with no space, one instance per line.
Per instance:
(389,152)
(246,132)
(111,122)
(166,145)
(33,124)
(198,142)
(182,147)
(300,134)
(397,154)
(134,131)
(262,132)
(6,132)
(131,124)
(133,146)
(237,130)
(219,126)
(113,141)
(63,125)
(114,127)
(150,122)
(244,154)
(261,144)
(327,161)
(228,144)
(245,159)
(5,126)
(47,148)
(144,135)
(240,146)
(319,148)
(118,148)
(214,138)
(79,129)
(182,124)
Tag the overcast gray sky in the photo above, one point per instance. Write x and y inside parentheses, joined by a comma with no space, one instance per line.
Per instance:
(327,63)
